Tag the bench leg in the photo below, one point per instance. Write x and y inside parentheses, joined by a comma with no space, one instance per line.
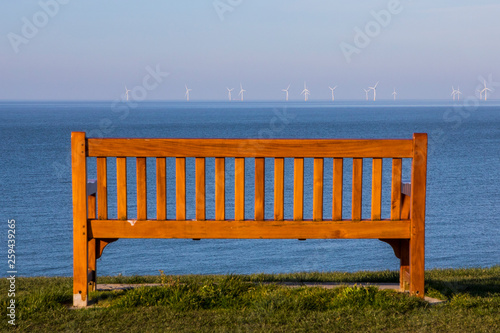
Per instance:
(80,232)
(401,249)
(404,265)
(92,264)
(91,246)
(417,214)
(80,268)
(417,267)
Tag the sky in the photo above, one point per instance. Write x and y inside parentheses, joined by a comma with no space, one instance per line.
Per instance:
(91,50)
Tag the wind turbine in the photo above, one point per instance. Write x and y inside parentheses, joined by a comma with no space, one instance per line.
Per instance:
(485,91)
(306,92)
(127,91)
(453,92)
(332,89)
(366,93)
(229,92)
(374,88)
(241,92)
(187,92)
(394,93)
(286,91)
(458,93)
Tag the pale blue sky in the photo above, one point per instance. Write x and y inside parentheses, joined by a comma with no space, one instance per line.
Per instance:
(90,49)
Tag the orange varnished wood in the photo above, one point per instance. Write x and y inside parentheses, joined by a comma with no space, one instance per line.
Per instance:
(405,207)
(142,208)
(239,189)
(404,266)
(298,188)
(318,190)
(250,229)
(200,189)
(80,226)
(279,188)
(397,166)
(91,208)
(220,189)
(92,265)
(259,188)
(101,244)
(376,189)
(338,179)
(121,186)
(180,188)
(250,148)
(102,188)
(91,246)
(357,186)
(405,231)
(417,214)
(161,188)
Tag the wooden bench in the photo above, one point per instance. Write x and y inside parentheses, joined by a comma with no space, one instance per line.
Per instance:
(93,229)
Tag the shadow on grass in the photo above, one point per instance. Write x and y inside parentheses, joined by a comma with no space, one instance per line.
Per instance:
(481,288)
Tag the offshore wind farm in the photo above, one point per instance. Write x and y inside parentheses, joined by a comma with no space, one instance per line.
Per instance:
(455,93)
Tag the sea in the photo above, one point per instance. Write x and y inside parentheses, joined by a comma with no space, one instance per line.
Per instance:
(463,182)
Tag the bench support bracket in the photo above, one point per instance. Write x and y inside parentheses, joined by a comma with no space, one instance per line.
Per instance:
(95,248)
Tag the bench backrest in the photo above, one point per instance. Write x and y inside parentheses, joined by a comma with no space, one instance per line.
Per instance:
(298,149)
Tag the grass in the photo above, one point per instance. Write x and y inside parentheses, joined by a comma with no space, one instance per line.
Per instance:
(232,303)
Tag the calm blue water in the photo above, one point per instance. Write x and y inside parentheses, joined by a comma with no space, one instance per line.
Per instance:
(463,201)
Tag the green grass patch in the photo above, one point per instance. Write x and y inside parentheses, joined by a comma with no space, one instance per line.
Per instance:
(228,303)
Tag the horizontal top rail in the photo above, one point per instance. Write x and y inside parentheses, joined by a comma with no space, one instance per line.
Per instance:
(356,148)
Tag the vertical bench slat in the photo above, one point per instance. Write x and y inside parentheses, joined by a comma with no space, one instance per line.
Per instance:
(396,189)
(357,188)
(318,189)
(239,188)
(121,186)
(220,189)
(298,188)
(161,188)
(338,180)
(102,188)
(180,188)
(279,188)
(142,207)
(259,188)
(376,189)
(200,188)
